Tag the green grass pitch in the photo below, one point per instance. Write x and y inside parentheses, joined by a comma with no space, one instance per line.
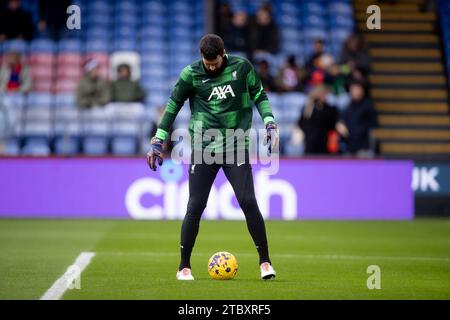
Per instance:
(313,259)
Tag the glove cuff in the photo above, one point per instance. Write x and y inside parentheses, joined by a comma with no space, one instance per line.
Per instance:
(271,125)
(156,140)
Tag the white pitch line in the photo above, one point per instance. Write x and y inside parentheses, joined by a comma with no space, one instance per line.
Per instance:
(60,286)
(293,256)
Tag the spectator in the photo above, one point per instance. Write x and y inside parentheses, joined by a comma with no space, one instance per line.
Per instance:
(223,20)
(264,32)
(92,90)
(355,55)
(289,77)
(316,75)
(267,79)
(356,121)
(318,50)
(15,22)
(15,75)
(124,89)
(316,121)
(335,79)
(53,16)
(238,37)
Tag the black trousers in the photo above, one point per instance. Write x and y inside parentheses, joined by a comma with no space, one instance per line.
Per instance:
(201,178)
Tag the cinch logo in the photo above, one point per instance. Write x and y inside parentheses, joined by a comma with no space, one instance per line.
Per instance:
(221,92)
(220,201)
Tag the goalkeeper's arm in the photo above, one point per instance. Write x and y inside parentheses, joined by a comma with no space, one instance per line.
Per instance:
(180,93)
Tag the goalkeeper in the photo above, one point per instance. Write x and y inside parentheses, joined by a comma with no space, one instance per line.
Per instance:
(220,88)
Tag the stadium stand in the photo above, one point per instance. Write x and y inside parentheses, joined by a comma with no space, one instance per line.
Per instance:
(409,84)
(408,80)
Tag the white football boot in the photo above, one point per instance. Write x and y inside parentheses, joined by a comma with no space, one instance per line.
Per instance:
(267,271)
(185,274)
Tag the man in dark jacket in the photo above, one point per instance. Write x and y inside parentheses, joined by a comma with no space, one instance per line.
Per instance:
(15,22)
(264,32)
(53,16)
(317,120)
(357,120)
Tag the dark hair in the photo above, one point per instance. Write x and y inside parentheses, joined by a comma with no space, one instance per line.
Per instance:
(319,41)
(124,65)
(264,62)
(211,46)
(291,60)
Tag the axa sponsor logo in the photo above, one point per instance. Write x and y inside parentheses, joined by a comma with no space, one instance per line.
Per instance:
(221,92)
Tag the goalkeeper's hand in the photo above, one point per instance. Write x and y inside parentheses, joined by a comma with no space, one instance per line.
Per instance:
(155,155)
(271,138)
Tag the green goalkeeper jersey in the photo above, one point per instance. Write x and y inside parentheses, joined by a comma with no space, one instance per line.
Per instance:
(219,102)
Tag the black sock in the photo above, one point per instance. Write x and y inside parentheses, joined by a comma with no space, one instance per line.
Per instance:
(263,251)
(189,231)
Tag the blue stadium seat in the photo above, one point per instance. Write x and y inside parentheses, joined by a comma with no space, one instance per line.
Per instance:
(36,147)
(16,45)
(95,145)
(42,46)
(340,7)
(124,45)
(314,7)
(155,46)
(97,33)
(97,45)
(153,20)
(102,6)
(70,46)
(16,100)
(39,99)
(126,7)
(293,103)
(66,145)
(152,33)
(157,7)
(95,20)
(156,99)
(124,145)
(11,147)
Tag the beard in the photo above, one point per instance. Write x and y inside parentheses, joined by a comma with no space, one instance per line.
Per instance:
(218,70)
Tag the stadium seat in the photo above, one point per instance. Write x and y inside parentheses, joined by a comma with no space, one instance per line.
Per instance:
(124,145)
(69,59)
(69,72)
(36,147)
(42,46)
(66,145)
(41,59)
(65,86)
(292,104)
(11,147)
(15,45)
(70,46)
(95,145)
(97,45)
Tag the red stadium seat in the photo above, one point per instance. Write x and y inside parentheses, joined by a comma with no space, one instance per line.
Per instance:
(41,59)
(69,59)
(42,85)
(65,86)
(41,72)
(68,72)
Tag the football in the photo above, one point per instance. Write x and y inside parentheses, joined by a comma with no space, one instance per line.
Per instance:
(222,266)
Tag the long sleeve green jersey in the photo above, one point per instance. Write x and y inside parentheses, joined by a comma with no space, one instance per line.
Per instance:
(217,103)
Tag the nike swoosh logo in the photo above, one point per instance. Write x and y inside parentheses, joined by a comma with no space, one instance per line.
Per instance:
(203,81)
(240,164)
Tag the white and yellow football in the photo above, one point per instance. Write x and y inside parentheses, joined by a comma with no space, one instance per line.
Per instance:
(222,266)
